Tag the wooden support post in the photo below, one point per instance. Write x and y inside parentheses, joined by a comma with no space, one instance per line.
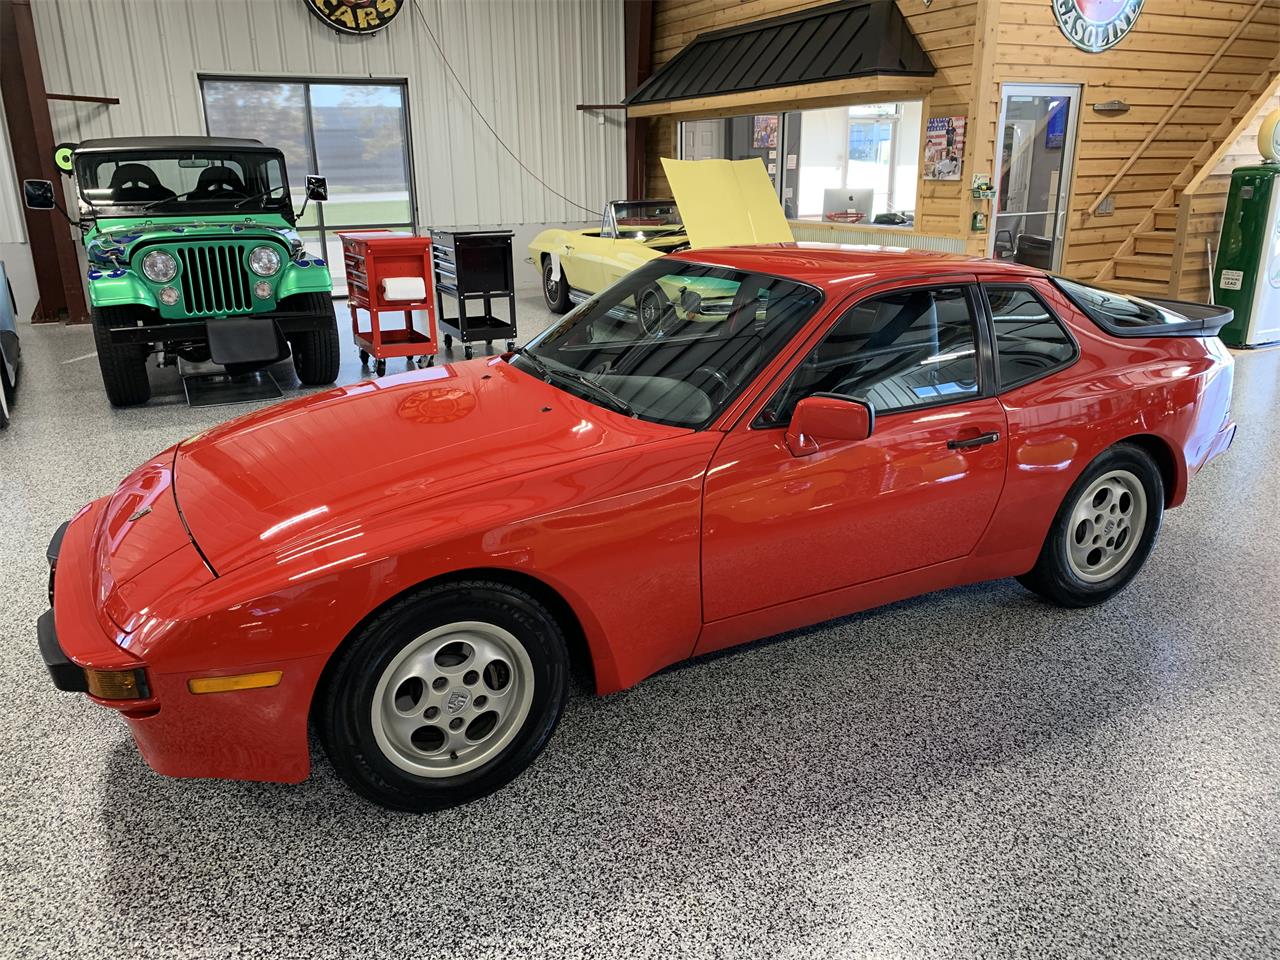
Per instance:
(638,30)
(26,110)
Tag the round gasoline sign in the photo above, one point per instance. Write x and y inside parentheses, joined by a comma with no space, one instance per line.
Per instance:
(356,16)
(1096,25)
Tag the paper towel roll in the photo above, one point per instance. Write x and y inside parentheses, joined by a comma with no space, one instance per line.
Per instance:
(404,288)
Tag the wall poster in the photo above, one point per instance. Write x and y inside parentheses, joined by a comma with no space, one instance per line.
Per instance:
(944,148)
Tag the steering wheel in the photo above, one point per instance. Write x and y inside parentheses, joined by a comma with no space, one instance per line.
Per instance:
(652,311)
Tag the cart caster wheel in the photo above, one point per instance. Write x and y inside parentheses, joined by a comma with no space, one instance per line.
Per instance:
(448,342)
(380,367)
(488,346)
(364,358)
(468,352)
(511,346)
(431,361)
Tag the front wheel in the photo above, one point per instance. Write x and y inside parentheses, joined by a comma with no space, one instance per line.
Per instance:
(446,696)
(555,289)
(123,365)
(316,353)
(1103,532)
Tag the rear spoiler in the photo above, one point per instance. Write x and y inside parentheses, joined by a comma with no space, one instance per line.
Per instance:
(1177,318)
(1198,320)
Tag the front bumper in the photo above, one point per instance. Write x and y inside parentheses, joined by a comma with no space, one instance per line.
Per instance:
(255,734)
(288,322)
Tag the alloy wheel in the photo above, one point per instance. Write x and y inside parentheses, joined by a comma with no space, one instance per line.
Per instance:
(452,699)
(1107,523)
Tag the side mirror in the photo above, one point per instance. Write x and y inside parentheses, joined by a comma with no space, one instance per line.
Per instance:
(38,194)
(827,416)
(317,188)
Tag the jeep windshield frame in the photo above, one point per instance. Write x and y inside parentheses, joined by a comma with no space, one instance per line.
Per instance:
(172,182)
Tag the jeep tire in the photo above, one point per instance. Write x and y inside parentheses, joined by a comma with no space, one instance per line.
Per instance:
(123,365)
(315,352)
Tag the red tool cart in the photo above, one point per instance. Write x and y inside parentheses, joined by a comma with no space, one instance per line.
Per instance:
(389,271)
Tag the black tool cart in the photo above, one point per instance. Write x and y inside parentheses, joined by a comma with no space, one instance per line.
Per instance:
(471,266)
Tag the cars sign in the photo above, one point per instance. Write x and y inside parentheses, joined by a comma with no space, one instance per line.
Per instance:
(1096,25)
(355,16)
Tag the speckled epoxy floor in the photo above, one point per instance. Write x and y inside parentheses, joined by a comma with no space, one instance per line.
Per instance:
(970,773)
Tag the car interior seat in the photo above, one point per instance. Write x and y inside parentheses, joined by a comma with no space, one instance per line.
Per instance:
(138,183)
(218,182)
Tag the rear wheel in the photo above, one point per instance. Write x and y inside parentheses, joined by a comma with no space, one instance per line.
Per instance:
(316,353)
(555,289)
(1103,531)
(123,365)
(446,696)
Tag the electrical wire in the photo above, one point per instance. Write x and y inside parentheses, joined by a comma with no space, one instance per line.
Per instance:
(417,6)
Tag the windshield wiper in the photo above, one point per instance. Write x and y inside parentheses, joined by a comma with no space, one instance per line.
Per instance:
(602,392)
(547,374)
(177,196)
(524,352)
(257,196)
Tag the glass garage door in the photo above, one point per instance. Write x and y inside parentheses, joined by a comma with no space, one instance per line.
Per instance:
(355,134)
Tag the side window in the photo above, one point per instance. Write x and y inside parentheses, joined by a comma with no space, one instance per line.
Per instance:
(897,351)
(1030,341)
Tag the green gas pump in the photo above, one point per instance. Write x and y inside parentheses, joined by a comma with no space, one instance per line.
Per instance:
(1247,273)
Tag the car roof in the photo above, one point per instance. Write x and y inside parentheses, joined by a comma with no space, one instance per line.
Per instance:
(836,265)
(113,144)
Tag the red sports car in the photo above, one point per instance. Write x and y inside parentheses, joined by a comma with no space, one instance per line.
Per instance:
(785,434)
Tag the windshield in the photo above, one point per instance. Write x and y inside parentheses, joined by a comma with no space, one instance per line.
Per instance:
(646,217)
(672,342)
(169,182)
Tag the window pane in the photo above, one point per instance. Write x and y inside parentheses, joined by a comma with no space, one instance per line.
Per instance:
(274,113)
(360,149)
(894,352)
(1114,309)
(1029,340)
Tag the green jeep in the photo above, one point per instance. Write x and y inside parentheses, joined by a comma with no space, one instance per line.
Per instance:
(192,253)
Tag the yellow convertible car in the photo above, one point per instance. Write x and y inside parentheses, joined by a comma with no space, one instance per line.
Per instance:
(717,202)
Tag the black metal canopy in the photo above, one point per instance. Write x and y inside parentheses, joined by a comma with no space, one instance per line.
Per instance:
(852,38)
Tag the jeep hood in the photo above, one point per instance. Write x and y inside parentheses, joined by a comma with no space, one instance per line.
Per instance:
(261,484)
(726,203)
(112,243)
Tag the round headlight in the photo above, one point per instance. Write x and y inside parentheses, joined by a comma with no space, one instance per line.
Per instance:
(264,261)
(159,266)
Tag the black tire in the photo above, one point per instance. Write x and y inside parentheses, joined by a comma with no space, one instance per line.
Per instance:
(1054,577)
(316,353)
(345,702)
(468,352)
(380,367)
(554,292)
(123,365)
(4,399)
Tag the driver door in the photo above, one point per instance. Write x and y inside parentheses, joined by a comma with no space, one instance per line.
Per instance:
(919,490)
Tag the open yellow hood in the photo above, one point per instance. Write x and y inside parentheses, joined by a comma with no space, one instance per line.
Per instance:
(726,202)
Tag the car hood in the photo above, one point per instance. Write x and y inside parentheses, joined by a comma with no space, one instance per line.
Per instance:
(112,244)
(261,484)
(727,202)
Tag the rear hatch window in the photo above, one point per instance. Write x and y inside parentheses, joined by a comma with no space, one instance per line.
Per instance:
(1124,316)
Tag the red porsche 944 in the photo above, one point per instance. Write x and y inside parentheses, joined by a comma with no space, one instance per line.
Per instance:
(784,434)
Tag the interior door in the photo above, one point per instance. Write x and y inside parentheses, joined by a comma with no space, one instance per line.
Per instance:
(919,491)
(1036,147)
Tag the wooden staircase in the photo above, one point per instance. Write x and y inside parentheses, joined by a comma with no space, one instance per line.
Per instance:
(1165,254)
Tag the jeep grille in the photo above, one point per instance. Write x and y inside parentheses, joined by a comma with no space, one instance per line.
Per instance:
(215,280)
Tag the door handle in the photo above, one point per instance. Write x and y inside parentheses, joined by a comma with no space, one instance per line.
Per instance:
(980,440)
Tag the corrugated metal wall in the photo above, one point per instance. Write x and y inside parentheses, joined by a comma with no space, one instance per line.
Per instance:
(526,65)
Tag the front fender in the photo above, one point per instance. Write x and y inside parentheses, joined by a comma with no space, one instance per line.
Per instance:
(300,279)
(108,290)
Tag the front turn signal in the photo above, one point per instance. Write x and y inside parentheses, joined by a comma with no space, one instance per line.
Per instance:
(117,684)
(242,681)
